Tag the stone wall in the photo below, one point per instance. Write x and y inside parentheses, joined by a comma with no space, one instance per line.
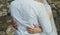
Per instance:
(5,18)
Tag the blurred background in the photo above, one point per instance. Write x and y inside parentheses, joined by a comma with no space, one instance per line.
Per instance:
(5,18)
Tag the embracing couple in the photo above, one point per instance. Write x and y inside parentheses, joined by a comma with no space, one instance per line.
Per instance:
(32,17)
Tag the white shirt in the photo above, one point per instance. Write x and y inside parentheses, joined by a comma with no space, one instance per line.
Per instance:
(29,12)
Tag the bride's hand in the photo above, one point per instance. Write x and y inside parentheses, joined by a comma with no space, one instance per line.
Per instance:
(14,24)
(36,29)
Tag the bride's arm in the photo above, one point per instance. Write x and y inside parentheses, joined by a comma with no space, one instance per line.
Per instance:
(44,20)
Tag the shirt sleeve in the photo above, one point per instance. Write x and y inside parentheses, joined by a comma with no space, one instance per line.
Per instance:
(15,13)
(48,8)
(43,18)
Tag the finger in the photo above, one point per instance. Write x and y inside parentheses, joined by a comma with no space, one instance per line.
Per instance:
(29,28)
(31,31)
(36,26)
(16,26)
(13,22)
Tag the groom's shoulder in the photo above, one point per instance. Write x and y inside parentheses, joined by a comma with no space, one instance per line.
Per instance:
(14,3)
